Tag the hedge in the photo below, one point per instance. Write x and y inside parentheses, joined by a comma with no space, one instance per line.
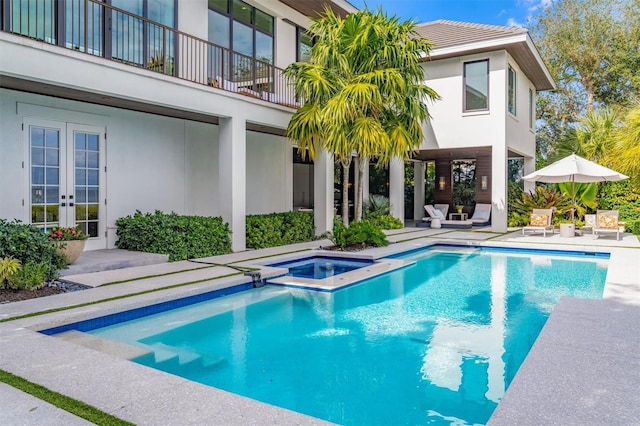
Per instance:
(181,237)
(277,229)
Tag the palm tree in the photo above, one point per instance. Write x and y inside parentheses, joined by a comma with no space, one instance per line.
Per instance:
(627,149)
(362,92)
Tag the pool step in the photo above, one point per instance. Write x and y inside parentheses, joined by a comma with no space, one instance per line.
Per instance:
(172,358)
(111,347)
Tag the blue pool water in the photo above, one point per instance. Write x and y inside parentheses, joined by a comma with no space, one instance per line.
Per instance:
(437,342)
(321,267)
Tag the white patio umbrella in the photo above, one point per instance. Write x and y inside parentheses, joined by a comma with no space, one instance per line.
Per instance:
(574,169)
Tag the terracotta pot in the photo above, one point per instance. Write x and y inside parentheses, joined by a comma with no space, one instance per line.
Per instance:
(70,249)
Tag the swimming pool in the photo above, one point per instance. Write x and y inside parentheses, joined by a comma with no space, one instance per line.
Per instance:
(435,342)
(320,267)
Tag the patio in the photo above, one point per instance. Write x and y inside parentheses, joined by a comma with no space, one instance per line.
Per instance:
(580,336)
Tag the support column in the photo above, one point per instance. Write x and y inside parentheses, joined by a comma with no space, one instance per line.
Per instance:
(529,167)
(323,192)
(418,190)
(365,182)
(232,189)
(396,188)
(499,189)
(288,174)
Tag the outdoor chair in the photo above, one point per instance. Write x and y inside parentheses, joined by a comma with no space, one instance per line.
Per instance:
(589,223)
(481,215)
(444,208)
(434,213)
(540,220)
(606,222)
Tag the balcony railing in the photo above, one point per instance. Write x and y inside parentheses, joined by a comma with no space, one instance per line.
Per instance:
(99,29)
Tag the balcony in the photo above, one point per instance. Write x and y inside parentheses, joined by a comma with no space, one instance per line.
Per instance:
(101,30)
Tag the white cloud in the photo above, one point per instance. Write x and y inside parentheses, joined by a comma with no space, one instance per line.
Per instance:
(511,22)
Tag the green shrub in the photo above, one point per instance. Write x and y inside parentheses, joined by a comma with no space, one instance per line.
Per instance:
(30,276)
(542,198)
(362,233)
(385,221)
(632,226)
(276,229)
(8,267)
(518,219)
(28,243)
(181,237)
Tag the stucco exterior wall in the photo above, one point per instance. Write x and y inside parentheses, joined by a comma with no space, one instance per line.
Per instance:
(521,137)
(153,162)
(450,126)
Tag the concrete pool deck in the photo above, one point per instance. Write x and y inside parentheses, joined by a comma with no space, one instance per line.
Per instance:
(603,334)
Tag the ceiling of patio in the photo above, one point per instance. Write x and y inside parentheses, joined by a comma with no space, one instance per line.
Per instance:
(458,154)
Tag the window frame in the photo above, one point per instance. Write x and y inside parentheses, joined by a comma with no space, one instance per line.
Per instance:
(512,91)
(299,32)
(531,108)
(253,25)
(464,86)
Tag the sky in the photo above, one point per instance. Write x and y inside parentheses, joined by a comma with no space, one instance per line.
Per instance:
(493,12)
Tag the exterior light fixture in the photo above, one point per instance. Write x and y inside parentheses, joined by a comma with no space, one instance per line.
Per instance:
(484,183)
(441,183)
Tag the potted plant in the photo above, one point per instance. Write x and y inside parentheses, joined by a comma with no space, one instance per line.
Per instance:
(69,241)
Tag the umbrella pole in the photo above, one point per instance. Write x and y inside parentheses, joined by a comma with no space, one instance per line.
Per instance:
(573,200)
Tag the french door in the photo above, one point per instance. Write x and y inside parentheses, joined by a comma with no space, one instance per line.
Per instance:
(66,178)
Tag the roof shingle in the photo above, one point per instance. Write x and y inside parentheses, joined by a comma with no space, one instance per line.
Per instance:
(443,33)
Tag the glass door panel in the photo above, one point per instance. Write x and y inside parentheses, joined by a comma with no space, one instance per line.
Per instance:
(87,181)
(66,178)
(45,146)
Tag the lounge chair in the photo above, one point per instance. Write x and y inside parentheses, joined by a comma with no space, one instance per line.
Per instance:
(444,208)
(435,213)
(606,222)
(540,220)
(481,215)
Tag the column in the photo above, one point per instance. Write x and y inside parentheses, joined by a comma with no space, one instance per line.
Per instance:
(529,167)
(499,189)
(323,192)
(232,178)
(418,190)
(396,188)
(288,176)
(365,182)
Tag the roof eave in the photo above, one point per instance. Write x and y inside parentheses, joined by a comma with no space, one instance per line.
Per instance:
(540,77)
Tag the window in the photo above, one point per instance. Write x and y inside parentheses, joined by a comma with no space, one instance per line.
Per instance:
(305,44)
(476,85)
(511,104)
(242,28)
(137,43)
(531,109)
(246,34)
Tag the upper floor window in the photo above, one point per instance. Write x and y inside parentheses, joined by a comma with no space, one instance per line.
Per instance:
(511,102)
(305,44)
(242,28)
(531,109)
(476,85)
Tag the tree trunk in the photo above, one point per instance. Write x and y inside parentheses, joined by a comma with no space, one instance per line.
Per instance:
(362,161)
(345,190)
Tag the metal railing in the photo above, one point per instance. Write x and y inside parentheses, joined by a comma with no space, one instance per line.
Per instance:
(99,29)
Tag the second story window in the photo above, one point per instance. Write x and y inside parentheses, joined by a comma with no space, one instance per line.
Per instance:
(511,94)
(242,28)
(246,35)
(305,44)
(476,86)
(531,108)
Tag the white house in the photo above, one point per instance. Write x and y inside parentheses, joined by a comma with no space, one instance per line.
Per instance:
(111,107)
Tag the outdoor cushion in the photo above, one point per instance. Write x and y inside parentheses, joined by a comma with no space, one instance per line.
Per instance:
(539,220)
(607,221)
